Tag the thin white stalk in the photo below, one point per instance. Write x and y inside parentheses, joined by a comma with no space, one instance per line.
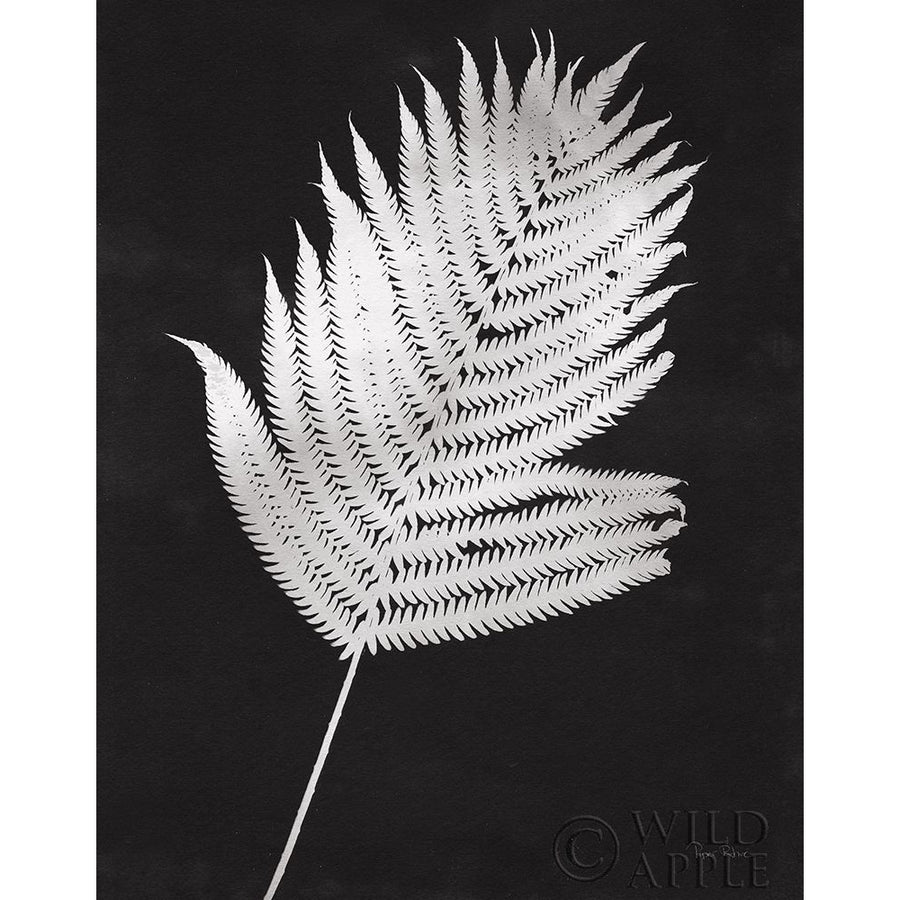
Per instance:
(313,779)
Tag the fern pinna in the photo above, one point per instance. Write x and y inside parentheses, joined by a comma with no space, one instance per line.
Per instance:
(468,326)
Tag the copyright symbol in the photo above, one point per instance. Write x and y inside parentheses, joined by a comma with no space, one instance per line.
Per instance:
(586,848)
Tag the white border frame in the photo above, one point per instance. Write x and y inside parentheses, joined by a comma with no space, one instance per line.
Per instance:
(851,450)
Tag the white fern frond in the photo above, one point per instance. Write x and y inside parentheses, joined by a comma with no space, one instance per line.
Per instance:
(535,219)
(498,610)
(554,520)
(469,325)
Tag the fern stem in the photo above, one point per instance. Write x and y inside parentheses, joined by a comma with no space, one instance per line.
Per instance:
(316,772)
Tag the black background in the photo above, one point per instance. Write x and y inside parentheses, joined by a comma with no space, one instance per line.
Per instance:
(455,765)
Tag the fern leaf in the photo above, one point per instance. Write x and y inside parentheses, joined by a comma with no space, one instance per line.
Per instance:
(591,416)
(476,165)
(471,324)
(506,165)
(494,491)
(309,568)
(415,296)
(498,610)
(555,520)
(305,456)
(332,442)
(418,202)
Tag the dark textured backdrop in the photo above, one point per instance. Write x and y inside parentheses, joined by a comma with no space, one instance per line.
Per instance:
(454,765)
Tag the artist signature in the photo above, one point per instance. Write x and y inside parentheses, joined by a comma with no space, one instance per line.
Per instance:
(724,850)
